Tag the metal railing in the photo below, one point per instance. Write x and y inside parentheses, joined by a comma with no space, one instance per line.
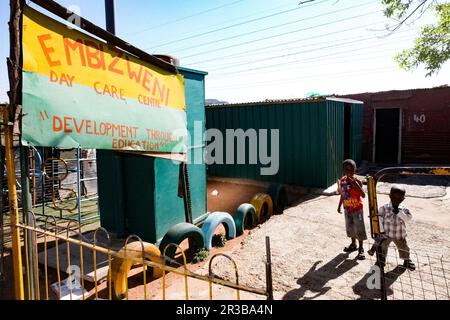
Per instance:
(97,268)
(429,280)
(377,232)
(62,186)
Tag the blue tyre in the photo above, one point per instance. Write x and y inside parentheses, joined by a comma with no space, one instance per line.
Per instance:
(213,221)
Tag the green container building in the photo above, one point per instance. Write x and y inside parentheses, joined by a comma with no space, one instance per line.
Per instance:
(315,136)
(138,194)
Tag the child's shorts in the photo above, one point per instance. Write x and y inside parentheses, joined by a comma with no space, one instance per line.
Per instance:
(354,224)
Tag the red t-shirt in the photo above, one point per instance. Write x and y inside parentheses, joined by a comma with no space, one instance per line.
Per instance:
(352,196)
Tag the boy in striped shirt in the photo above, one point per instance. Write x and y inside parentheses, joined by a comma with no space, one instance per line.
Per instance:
(393,217)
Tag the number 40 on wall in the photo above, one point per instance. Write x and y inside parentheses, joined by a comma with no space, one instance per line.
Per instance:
(419,118)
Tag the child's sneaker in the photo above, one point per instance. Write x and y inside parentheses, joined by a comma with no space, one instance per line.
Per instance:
(350,248)
(408,264)
(371,252)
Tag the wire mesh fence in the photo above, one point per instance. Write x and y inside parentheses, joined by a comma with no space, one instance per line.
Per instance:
(421,277)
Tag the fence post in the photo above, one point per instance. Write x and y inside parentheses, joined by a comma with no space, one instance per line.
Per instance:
(27,214)
(14,74)
(381,260)
(79,185)
(2,234)
(269,282)
(14,210)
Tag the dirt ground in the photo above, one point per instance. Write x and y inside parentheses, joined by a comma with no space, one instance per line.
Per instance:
(308,261)
(231,193)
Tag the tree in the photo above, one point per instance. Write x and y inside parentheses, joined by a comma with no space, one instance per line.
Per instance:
(432,47)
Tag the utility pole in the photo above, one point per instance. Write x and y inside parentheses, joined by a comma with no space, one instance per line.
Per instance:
(110,16)
(8,123)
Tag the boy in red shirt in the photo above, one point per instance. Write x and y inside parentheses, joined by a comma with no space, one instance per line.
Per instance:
(352,193)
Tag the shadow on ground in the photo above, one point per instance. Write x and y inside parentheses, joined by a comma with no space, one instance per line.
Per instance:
(362,289)
(315,280)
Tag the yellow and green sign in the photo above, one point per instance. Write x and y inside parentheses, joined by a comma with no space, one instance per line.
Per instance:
(81,92)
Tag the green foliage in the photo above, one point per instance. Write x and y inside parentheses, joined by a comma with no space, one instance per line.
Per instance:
(218,240)
(432,47)
(396,8)
(200,255)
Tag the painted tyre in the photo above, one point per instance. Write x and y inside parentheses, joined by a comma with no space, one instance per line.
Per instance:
(120,267)
(178,233)
(245,216)
(213,221)
(279,196)
(263,206)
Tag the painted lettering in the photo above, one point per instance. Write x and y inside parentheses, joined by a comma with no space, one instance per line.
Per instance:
(70,45)
(57,124)
(95,57)
(133,75)
(112,65)
(157,88)
(48,50)
(63,78)
(146,80)
(112,91)
(67,125)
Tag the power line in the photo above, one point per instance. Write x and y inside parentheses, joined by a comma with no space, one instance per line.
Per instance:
(302,60)
(312,61)
(342,44)
(277,35)
(235,19)
(280,44)
(232,26)
(257,50)
(309,78)
(184,18)
(313,64)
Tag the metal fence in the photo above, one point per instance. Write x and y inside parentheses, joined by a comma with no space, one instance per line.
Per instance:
(64,183)
(56,178)
(429,280)
(67,264)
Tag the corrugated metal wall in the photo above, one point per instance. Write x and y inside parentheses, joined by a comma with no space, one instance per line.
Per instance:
(335,138)
(357,118)
(311,140)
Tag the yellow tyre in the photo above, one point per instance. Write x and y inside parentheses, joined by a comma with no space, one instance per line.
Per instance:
(263,206)
(120,267)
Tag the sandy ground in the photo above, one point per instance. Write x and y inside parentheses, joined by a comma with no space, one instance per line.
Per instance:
(308,261)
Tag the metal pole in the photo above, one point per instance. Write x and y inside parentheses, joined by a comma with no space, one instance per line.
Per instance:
(43,181)
(14,210)
(14,74)
(2,234)
(381,260)
(110,16)
(184,177)
(27,213)
(269,282)
(79,185)
(111,28)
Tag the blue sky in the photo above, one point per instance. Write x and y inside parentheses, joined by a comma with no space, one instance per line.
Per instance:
(264,49)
